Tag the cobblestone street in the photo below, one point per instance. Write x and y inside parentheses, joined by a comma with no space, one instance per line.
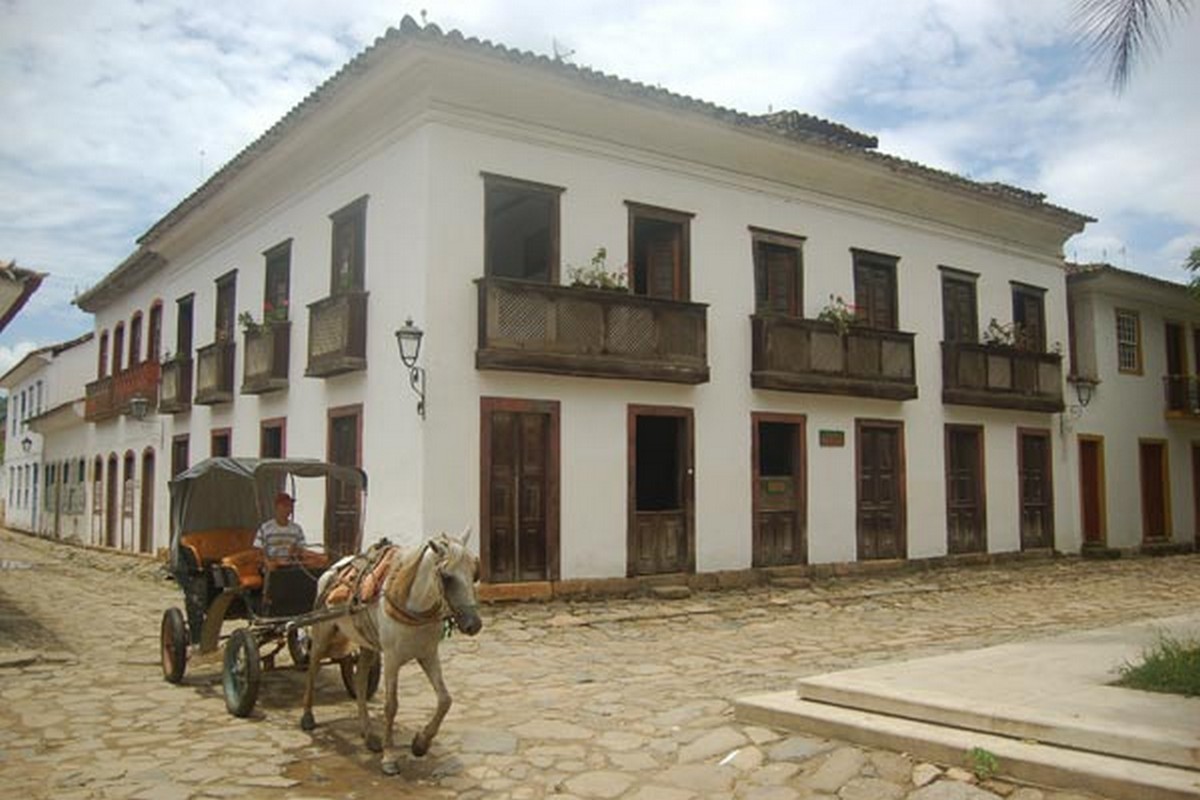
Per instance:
(620,698)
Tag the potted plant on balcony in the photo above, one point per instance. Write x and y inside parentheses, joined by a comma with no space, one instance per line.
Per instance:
(597,276)
(839,313)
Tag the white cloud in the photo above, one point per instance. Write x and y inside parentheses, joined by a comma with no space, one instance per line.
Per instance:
(111,103)
(10,355)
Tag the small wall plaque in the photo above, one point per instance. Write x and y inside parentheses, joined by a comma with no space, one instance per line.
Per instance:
(832,438)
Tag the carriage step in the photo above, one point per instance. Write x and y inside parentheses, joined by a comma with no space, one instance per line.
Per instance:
(670,592)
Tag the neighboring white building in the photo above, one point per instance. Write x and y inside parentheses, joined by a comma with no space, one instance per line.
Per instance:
(46,382)
(704,421)
(1137,442)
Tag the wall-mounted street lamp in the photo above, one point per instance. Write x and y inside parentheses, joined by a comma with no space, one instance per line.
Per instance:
(408,339)
(1085,389)
(27,444)
(138,406)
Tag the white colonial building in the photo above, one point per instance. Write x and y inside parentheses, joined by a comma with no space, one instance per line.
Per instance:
(1136,351)
(44,479)
(720,414)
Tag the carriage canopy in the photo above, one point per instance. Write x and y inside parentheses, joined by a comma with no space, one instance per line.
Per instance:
(222,493)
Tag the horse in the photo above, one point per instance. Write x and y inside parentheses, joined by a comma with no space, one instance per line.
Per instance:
(420,589)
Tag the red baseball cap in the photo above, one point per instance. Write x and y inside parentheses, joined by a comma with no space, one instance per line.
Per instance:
(284,497)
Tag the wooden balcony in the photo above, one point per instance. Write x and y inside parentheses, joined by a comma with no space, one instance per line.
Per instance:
(99,404)
(110,397)
(565,330)
(214,373)
(337,335)
(807,355)
(175,386)
(1181,395)
(265,363)
(137,381)
(1001,377)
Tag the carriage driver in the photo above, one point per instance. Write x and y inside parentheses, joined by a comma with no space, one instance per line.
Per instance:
(281,536)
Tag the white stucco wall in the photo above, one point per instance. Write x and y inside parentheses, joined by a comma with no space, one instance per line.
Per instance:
(593,443)
(1128,407)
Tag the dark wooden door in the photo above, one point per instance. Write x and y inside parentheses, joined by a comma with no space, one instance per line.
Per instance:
(966,530)
(342,500)
(959,322)
(663,252)
(875,294)
(777,279)
(146,520)
(110,504)
(779,491)
(1037,495)
(1029,317)
(880,517)
(660,488)
(1196,491)
(518,496)
(1091,490)
(1152,461)
(1177,383)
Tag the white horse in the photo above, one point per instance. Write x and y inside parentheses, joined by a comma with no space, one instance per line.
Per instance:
(404,621)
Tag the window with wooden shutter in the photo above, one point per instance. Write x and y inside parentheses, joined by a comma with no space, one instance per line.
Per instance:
(1029,317)
(1129,341)
(348,262)
(875,289)
(277,289)
(778,275)
(659,252)
(226,306)
(960,322)
(521,229)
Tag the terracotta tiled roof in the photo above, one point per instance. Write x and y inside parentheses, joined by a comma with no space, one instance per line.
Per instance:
(1099,268)
(788,124)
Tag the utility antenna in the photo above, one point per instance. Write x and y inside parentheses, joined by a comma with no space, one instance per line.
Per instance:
(561,52)
(424,21)
(202,163)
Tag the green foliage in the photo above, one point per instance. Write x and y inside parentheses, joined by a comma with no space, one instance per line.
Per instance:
(983,763)
(1171,665)
(1193,266)
(597,276)
(840,313)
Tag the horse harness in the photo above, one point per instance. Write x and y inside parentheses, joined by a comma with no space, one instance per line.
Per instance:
(365,577)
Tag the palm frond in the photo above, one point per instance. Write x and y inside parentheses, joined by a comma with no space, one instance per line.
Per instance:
(1119,32)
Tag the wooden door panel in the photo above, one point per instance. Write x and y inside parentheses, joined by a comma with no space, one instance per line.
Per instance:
(964,492)
(343,511)
(1036,493)
(660,467)
(1154,490)
(517,475)
(778,485)
(880,499)
(1091,491)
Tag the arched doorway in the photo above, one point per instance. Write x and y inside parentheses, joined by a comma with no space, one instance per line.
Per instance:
(146,523)
(110,503)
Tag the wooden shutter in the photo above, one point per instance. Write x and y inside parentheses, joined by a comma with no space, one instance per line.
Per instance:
(960,323)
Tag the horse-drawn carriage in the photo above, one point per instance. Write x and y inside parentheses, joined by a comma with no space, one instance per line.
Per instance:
(216,508)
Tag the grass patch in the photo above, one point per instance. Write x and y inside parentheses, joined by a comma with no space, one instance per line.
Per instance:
(1171,665)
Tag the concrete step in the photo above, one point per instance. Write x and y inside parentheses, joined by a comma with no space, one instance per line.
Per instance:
(1026,761)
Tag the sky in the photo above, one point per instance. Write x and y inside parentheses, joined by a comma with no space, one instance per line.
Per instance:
(115,110)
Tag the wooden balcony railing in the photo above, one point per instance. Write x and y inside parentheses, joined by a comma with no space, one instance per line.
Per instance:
(1182,396)
(265,363)
(337,335)
(811,356)
(110,397)
(141,381)
(214,373)
(99,404)
(1001,377)
(564,330)
(175,386)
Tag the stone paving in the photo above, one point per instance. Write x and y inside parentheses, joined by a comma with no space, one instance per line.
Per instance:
(608,699)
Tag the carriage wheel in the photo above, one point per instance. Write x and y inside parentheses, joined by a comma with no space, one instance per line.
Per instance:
(243,670)
(174,640)
(299,645)
(349,666)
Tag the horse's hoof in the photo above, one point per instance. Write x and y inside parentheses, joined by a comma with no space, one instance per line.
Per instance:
(390,767)
(374,743)
(419,746)
(307,723)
